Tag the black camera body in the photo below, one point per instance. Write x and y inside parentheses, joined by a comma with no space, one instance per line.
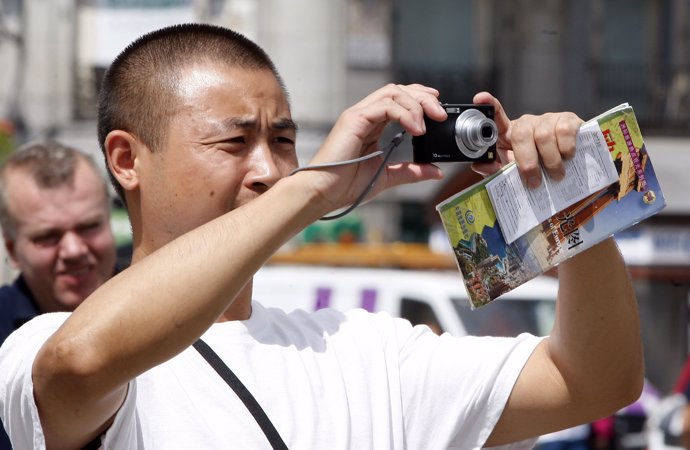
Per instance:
(469,134)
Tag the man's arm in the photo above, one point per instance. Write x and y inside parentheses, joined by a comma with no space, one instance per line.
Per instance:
(591,365)
(155,309)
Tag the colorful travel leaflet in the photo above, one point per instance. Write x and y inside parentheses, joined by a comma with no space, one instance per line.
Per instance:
(504,234)
(519,209)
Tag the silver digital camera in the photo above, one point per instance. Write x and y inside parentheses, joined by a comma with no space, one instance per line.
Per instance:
(469,134)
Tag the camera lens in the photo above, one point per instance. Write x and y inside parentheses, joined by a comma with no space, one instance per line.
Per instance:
(474,133)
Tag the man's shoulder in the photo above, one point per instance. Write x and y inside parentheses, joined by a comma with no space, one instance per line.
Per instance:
(45,321)
(14,295)
(16,308)
(38,328)
(9,291)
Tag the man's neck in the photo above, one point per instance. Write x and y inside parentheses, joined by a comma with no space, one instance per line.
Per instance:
(239,309)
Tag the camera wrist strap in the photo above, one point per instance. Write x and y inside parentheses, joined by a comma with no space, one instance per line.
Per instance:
(243,393)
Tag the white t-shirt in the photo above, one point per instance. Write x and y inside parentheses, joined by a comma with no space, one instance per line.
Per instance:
(326,379)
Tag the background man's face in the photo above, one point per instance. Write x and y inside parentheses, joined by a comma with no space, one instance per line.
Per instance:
(64,246)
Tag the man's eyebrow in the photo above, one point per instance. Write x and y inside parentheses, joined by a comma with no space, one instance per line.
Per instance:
(238,122)
(87,220)
(41,232)
(247,122)
(284,124)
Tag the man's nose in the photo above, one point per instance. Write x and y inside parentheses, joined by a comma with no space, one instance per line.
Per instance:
(72,245)
(263,171)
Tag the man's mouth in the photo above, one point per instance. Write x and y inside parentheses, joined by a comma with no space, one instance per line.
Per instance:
(76,274)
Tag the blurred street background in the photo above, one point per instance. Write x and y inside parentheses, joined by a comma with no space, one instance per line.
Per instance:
(536,56)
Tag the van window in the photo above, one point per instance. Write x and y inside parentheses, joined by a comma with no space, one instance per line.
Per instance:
(507,317)
(420,312)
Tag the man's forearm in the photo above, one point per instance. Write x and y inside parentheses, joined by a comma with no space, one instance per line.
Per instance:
(158,307)
(596,341)
(591,364)
(165,301)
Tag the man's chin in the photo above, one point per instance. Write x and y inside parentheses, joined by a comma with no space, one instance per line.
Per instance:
(69,299)
(69,303)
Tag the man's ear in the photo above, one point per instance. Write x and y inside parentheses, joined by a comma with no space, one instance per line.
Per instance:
(121,149)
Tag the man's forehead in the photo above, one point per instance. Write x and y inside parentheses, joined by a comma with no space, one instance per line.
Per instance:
(205,75)
(199,78)
(41,217)
(18,180)
(23,190)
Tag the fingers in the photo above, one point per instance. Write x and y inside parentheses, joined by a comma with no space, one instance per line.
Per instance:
(359,128)
(534,140)
(404,104)
(500,116)
(549,139)
(405,173)
(486,169)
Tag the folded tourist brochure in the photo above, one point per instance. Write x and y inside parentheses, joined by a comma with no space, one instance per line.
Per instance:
(504,234)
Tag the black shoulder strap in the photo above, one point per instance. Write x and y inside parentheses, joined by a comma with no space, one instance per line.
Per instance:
(243,393)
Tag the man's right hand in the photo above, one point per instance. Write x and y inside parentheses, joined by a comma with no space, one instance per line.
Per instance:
(357,133)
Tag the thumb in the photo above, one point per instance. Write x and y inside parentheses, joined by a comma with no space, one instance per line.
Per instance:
(408,172)
(486,169)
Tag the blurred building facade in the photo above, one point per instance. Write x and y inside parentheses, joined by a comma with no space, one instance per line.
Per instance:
(535,55)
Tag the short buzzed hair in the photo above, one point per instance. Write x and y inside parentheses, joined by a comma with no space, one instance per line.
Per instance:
(50,164)
(139,89)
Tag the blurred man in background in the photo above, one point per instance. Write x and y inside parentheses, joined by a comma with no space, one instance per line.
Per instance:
(55,218)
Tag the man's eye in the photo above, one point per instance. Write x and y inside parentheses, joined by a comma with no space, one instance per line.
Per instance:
(89,228)
(233,144)
(47,240)
(285,140)
(234,141)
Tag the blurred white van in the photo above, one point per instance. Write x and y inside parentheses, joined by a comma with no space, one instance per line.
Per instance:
(433,297)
